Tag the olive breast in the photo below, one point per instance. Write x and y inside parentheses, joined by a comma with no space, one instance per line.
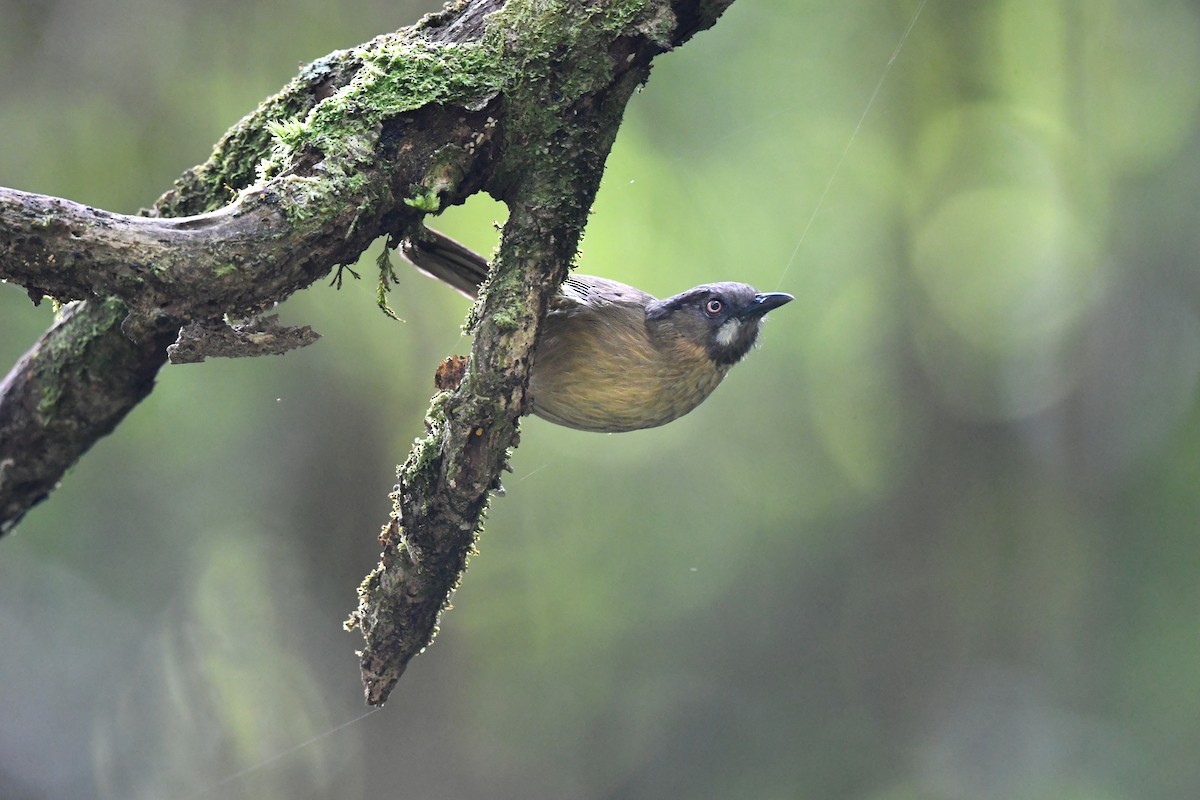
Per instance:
(600,370)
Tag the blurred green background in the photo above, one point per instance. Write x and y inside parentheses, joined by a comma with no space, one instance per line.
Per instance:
(938,538)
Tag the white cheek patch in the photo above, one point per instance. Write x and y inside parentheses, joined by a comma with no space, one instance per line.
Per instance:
(728,332)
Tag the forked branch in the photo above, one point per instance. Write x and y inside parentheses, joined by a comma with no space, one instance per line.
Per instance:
(521,99)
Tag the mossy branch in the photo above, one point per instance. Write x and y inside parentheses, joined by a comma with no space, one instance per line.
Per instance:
(577,65)
(521,99)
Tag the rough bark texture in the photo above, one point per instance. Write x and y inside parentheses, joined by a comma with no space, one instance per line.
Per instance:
(521,99)
(74,386)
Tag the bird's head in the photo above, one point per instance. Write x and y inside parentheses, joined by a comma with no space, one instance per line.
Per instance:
(723,318)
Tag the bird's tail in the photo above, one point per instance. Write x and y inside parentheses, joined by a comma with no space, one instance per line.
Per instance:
(439,256)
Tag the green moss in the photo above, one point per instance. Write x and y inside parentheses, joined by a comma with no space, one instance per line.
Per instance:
(397,74)
(49,399)
(402,74)
(113,311)
(545,55)
(426,201)
(387,276)
(289,131)
(232,167)
(310,197)
(505,322)
(554,32)
(224,270)
(75,347)
(519,53)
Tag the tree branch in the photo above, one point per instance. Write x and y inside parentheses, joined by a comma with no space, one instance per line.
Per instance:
(520,98)
(70,389)
(363,142)
(443,489)
(262,336)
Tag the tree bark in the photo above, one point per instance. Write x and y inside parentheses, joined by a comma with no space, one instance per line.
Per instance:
(521,99)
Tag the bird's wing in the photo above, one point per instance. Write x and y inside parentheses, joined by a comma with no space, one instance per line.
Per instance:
(592,292)
(439,256)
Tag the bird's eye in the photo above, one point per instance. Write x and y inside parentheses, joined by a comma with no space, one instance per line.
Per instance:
(713,307)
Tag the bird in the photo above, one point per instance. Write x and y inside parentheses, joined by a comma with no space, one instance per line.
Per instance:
(610,357)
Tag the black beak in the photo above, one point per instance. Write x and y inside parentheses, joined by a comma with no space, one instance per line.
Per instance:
(763,303)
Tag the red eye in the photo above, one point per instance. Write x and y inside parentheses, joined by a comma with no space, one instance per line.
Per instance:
(714,307)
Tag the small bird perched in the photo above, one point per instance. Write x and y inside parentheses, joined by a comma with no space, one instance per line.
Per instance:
(611,357)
